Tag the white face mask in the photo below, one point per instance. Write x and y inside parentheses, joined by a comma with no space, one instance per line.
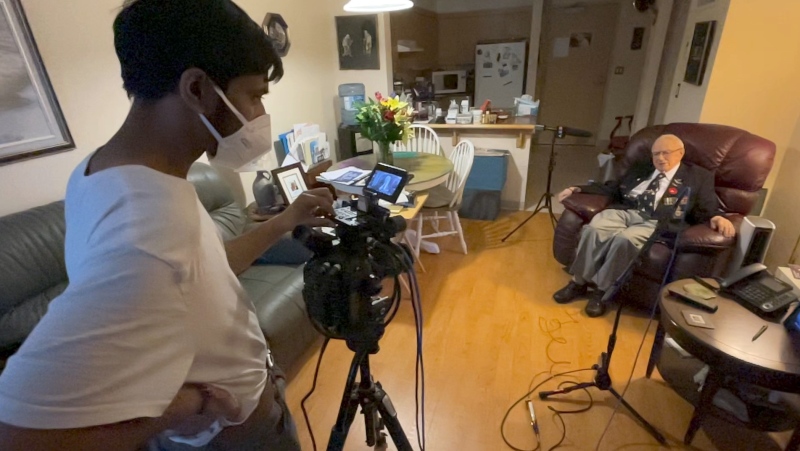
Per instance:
(246,145)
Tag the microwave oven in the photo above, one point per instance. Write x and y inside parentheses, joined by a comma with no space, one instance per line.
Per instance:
(450,82)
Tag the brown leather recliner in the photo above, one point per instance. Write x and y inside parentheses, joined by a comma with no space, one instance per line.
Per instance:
(741,163)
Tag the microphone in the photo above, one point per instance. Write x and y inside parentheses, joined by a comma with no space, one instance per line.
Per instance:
(566,131)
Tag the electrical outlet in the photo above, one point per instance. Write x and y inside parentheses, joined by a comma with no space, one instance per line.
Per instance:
(619,70)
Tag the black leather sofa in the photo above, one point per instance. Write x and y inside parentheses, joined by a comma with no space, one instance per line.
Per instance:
(33,272)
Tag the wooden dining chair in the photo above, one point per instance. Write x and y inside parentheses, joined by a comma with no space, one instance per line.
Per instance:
(445,200)
(425,140)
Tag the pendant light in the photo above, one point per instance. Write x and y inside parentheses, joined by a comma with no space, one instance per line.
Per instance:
(373,6)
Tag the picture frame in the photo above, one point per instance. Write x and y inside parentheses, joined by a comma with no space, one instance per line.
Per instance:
(31,121)
(291,181)
(699,50)
(357,42)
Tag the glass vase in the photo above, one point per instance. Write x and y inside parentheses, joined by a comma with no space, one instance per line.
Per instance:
(384,153)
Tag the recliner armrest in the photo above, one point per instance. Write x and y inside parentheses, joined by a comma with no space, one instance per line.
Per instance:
(586,205)
(701,238)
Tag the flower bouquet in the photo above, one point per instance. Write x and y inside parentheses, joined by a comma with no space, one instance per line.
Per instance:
(385,120)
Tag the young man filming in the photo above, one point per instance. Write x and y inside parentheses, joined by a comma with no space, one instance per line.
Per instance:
(154,344)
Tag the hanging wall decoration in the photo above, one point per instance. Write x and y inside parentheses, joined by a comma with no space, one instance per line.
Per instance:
(277,29)
(357,40)
(31,122)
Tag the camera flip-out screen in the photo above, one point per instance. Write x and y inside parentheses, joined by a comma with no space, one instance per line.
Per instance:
(386,182)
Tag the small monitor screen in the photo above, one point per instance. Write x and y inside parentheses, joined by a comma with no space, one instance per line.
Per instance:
(384,183)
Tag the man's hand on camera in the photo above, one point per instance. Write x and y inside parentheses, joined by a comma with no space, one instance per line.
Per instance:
(567,192)
(313,208)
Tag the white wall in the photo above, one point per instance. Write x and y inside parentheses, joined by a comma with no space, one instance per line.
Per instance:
(533,45)
(622,90)
(76,43)
(686,101)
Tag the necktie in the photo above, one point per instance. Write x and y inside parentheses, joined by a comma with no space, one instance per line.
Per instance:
(647,200)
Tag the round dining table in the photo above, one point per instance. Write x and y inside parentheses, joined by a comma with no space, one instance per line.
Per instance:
(427,170)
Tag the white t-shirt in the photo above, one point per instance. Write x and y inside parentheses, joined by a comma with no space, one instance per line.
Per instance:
(152,304)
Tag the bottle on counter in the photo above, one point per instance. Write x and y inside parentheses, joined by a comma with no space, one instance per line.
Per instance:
(452,112)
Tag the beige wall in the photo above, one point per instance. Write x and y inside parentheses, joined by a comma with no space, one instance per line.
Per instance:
(686,101)
(76,44)
(573,87)
(421,26)
(782,208)
(754,87)
(622,89)
(754,84)
(459,33)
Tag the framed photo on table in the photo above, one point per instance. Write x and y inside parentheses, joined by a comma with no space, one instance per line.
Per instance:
(291,181)
(31,121)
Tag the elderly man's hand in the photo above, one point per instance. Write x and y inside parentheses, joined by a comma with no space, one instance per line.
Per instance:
(723,226)
(566,193)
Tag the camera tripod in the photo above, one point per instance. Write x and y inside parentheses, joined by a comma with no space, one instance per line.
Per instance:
(546,201)
(602,379)
(377,408)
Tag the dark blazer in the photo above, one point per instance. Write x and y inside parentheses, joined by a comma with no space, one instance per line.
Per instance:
(703,202)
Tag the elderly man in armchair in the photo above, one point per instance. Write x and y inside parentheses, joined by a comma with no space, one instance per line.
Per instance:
(644,195)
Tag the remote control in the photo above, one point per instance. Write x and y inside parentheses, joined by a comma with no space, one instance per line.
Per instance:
(702,304)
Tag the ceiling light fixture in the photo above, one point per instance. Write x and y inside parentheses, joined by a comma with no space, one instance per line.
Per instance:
(373,6)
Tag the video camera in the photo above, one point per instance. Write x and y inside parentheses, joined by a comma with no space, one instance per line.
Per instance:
(343,281)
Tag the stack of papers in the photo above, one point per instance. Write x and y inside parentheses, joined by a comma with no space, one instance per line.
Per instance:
(345,176)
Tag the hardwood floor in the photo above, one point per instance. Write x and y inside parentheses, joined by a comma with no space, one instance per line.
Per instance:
(486,322)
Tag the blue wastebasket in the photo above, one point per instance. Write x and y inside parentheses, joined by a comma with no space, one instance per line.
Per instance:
(485,185)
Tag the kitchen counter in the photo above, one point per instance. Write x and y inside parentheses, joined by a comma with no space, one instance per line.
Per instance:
(522,127)
(513,135)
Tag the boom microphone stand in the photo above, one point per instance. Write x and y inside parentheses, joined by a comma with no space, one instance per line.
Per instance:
(602,379)
(546,201)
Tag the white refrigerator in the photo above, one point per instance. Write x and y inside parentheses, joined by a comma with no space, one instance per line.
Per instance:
(500,70)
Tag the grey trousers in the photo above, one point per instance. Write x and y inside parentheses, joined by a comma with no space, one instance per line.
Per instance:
(608,244)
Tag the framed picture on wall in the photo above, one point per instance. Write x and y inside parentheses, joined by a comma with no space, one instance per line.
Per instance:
(291,181)
(357,41)
(699,51)
(31,122)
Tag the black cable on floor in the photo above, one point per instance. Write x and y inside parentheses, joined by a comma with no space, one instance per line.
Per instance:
(523,398)
(313,387)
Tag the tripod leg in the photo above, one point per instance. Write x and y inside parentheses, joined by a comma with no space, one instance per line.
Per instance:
(348,408)
(546,201)
(571,388)
(389,416)
(648,427)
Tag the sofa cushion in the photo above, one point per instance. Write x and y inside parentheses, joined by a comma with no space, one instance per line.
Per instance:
(32,262)
(217,198)
(276,292)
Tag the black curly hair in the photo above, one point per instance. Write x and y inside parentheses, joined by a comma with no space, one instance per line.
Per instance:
(157,40)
